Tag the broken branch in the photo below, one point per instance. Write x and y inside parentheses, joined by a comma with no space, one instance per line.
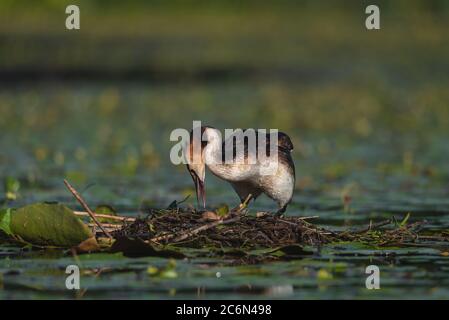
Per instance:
(86,207)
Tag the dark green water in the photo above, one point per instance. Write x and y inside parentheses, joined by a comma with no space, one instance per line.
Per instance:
(112,142)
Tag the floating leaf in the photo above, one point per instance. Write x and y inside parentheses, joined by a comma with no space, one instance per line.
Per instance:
(168,272)
(5,221)
(323,274)
(152,271)
(44,224)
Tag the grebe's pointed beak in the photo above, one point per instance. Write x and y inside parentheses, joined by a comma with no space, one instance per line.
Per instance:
(199,188)
(200,193)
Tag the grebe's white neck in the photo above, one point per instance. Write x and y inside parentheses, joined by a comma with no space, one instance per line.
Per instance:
(214,160)
(213,149)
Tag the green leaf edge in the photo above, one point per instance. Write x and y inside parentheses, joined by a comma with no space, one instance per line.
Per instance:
(5,221)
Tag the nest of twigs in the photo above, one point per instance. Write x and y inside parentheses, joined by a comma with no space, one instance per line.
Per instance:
(236,230)
(240,230)
(243,232)
(191,228)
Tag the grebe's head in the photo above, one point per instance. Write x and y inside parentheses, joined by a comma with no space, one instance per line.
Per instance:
(196,162)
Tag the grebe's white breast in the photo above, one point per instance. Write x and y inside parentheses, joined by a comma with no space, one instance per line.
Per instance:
(236,159)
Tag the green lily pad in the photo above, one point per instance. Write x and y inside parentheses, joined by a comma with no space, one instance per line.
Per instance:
(5,221)
(47,225)
(167,272)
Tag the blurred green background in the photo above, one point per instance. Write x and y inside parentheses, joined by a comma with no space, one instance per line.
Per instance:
(100,102)
(367,111)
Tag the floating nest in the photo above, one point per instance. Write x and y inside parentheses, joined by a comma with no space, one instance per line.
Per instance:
(238,230)
(241,230)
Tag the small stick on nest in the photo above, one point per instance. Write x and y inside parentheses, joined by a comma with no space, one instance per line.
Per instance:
(106,216)
(191,232)
(86,207)
(244,204)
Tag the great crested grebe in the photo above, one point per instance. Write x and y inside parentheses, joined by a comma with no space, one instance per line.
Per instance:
(244,173)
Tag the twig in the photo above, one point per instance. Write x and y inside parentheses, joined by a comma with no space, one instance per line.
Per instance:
(107,216)
(243,205)
(288,222)
(194,231)
(299,218)
(309,217)
(248,198)
(86,207)
(373,226)
(107,225)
